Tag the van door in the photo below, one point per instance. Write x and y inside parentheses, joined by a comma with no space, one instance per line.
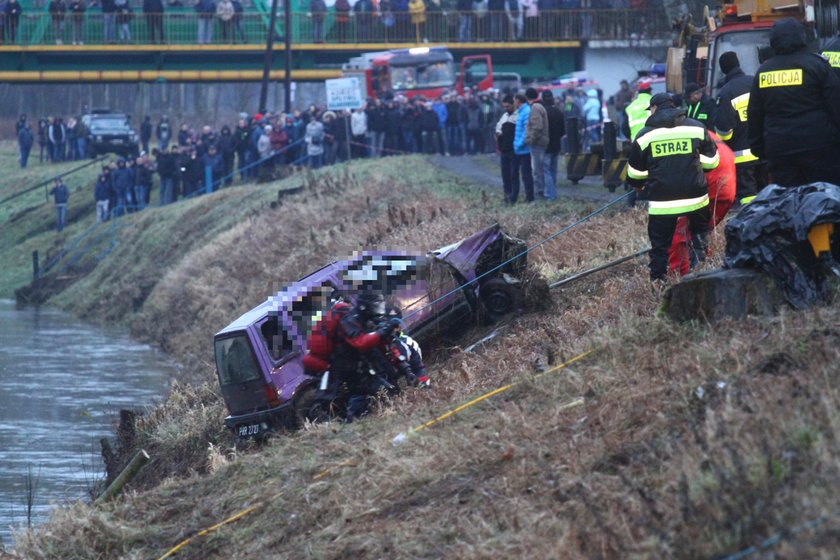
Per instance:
(240,376)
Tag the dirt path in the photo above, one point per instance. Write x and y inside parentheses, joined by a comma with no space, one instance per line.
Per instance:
(484,169)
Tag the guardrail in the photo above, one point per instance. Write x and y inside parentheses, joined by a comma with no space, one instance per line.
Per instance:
(190,28)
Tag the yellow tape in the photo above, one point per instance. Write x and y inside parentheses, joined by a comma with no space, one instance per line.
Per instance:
(495,392)
(203,532)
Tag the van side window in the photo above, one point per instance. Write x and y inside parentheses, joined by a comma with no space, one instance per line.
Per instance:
(275,339)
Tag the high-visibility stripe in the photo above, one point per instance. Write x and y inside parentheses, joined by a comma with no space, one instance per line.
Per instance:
(747,199)
(709,162)
(740,104)
(833,58)
(673,133)
(725,134)
(670,207)
(743,156)
(634,173)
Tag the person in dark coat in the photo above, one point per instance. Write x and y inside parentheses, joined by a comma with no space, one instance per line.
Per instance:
(153,10)
(192,173)
(166,169)
(13,12)
(556,131)
(227,149)
(25,140)
(146,132)
(793,116)
(123,184)
(102,194)
(61,195)
(43,140)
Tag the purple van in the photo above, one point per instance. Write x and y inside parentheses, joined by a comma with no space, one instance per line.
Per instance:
(258,356)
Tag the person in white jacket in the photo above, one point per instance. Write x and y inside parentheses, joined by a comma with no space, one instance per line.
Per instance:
(314,139)
(359,130)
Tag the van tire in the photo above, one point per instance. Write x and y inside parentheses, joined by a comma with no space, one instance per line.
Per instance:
(499,297)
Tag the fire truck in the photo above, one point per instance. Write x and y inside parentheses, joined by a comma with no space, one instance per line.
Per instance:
(426,71)
(742,26)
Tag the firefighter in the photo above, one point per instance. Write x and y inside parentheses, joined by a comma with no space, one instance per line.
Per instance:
(701,107)
(832,53)
(341,343)
(721,182)
(793,115)
(731,125)
(668,159)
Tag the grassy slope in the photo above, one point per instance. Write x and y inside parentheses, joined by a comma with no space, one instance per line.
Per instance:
(27,223)
(644,468)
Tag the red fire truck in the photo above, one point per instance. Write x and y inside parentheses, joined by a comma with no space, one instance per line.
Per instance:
(426,71)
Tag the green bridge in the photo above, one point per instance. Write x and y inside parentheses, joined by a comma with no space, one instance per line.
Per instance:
(77,51)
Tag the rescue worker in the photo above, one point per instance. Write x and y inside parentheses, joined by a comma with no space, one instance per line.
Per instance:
(722,187)
(637,112)
(731,124)
(701,107)
(832,52)
(405,354)
(340,341)
(794,111)
(668,159)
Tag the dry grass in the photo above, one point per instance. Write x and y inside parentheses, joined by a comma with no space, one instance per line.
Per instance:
(650,466)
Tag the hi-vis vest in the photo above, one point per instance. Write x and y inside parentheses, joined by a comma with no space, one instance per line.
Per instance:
(638,113)
(833,58)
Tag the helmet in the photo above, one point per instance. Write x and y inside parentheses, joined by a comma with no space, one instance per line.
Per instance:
(371,304)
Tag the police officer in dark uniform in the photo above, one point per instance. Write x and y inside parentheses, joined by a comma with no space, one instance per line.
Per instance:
(668,159)
(731,126)
(832,52)
(794,111)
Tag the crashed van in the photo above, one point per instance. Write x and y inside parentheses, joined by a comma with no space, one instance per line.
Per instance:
(259,355)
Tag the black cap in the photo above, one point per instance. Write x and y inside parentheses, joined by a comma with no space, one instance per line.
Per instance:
(691,88)
(661,100)
(728,61)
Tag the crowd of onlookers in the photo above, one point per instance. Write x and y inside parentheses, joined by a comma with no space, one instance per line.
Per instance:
(189,160)
(344,21)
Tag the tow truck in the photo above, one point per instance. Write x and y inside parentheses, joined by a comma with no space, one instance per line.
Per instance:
(742,26)
(419,71)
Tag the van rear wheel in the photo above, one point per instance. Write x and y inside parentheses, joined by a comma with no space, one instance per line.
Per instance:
(302,406)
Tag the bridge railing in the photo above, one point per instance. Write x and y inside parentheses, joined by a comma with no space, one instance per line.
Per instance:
(188,28)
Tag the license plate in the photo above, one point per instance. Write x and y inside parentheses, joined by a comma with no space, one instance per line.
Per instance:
(116,141)
(249,430)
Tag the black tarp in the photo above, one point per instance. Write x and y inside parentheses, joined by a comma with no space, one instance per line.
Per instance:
(771,234)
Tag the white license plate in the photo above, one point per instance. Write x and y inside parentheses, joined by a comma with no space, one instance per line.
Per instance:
(250,430)
(116,141)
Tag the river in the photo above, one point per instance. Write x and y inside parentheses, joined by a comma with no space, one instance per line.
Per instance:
(62,384)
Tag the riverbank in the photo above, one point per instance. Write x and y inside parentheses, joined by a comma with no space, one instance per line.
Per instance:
(666,441)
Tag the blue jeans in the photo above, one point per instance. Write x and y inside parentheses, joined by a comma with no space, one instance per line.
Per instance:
(550,173)
(205,30)
(167,189)
(24,156)
(61,216)
(316,162)
(537,157)
(139,196)
(81,147)
(378,140)
(108,25)
(453,138)
(464,28)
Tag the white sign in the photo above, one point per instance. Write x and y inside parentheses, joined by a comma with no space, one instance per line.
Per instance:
(344,93)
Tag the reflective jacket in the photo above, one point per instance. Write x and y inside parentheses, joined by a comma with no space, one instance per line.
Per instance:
(795,98)
(832,53)
(669,157)
(637,114)
(731,116)
(703,111)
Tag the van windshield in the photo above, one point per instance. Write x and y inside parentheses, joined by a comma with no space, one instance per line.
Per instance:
(235,361)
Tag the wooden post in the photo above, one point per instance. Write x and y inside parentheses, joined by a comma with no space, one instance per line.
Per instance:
(130,471)
(36,269)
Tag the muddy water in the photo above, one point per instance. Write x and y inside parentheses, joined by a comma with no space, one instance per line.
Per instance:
(62,383)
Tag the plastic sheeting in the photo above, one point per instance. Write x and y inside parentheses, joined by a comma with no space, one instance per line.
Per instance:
(771,234)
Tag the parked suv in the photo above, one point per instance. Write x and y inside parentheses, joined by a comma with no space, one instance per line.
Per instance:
(258,356)
(109,132)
